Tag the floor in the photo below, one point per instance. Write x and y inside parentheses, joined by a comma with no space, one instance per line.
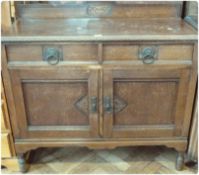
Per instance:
(129,160)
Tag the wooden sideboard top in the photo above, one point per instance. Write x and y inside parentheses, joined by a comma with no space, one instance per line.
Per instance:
(98,29)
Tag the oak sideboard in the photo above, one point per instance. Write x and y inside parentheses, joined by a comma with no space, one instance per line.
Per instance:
(100,75)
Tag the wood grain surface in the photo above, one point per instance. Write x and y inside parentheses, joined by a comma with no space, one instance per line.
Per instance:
(99,29)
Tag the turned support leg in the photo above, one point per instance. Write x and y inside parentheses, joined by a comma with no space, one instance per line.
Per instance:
(180,161)
(22,163)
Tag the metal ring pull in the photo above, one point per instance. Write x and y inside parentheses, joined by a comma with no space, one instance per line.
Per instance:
(147,55)
(148,60)
(53,60)
(52,55)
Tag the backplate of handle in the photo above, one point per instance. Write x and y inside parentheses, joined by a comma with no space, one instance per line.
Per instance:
(93,104)
(107,105)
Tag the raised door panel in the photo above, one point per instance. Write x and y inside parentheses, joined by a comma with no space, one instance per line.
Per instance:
(145,103)
(56,103)
(150,103)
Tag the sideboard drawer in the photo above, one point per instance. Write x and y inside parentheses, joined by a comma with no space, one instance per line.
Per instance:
(68,51)
(128,52)
(110,52)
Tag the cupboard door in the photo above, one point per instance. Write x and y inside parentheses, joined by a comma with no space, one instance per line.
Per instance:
(56,102)
(144,102)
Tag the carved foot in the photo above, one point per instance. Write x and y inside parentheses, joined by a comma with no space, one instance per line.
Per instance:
(180,161)
(22,163)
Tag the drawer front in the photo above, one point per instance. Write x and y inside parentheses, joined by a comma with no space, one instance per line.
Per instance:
(68,52)
(84,52)
(5,146)
(125,52)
